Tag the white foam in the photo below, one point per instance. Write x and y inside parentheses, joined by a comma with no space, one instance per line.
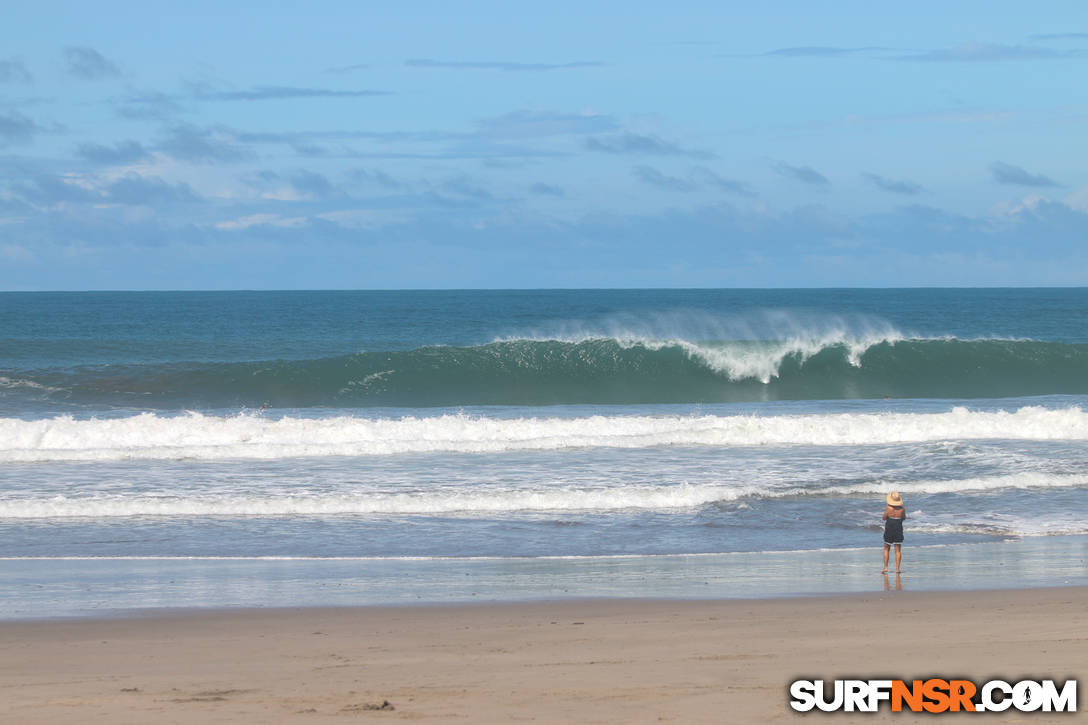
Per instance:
(1028,523)
(207,437)
(987,528)
(1024,480)
(762,360)
(488,500)
(475,500)
(749,346)
(15,383)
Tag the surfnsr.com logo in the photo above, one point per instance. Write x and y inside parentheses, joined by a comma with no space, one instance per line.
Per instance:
(933,695)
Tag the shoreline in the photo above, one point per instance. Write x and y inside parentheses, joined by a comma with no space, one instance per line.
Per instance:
(628,660)
(64,588)
(151,614)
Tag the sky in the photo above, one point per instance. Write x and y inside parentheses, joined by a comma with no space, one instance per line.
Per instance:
(381,145)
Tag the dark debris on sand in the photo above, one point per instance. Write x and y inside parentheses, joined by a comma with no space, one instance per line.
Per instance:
(385,705)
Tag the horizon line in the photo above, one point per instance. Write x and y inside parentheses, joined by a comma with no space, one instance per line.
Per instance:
(207,290)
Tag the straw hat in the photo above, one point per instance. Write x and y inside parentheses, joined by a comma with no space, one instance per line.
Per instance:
(894,499)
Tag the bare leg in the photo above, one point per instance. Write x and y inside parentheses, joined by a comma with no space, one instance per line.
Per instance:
(898,556)
(887,547)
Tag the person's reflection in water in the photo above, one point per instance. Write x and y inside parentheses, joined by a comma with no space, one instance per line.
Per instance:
(898,583)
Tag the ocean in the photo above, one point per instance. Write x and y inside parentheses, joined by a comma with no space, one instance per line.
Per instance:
(259,448)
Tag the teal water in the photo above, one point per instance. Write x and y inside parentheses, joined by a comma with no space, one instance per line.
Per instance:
(92,351)
(446,426)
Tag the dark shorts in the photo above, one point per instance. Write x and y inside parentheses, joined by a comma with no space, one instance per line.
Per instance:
(893,531)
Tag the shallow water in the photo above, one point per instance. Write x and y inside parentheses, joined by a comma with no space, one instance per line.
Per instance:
(95,587)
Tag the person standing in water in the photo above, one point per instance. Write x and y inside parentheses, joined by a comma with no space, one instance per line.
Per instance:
(894,515)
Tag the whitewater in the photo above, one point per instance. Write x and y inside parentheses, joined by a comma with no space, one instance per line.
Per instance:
(198,436)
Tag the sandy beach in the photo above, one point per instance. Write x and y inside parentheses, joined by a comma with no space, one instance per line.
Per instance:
(569,661)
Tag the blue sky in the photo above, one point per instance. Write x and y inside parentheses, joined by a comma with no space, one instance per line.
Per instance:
(562,144)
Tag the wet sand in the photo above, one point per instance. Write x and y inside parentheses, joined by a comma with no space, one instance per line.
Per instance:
(613,661)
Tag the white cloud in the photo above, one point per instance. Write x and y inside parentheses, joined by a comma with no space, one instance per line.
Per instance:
(1018,206)
(255,220)
(204,181)
(285,193)
(356,218)
(1078,199)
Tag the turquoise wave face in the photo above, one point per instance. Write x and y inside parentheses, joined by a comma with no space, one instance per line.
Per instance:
(594,371)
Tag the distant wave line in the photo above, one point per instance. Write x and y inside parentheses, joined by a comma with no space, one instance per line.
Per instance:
(482,500)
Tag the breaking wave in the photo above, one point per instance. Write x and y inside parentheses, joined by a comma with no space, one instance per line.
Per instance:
(606,370)
(199,436)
